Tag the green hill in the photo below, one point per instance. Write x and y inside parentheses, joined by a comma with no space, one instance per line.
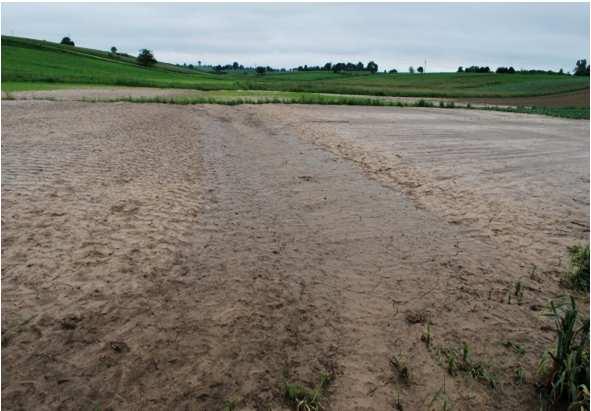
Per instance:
(41,62)
(26,60)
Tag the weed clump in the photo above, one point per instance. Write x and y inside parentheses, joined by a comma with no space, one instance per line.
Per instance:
(565,369)
(402,369)
(578,274)
(307,399)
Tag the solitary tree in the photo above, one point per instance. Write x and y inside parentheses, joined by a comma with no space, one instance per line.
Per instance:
(411,70)
(146,58)
(460,69)
(420,69)
(67,41)
(372,67)
(582,69)
(113,50)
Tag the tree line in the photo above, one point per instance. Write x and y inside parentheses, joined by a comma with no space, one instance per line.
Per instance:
(581,69)
(371,67)
(146,58)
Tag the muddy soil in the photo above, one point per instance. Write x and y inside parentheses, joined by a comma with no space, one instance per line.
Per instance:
(179,257)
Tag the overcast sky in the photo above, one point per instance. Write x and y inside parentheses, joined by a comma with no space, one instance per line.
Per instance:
(548,36)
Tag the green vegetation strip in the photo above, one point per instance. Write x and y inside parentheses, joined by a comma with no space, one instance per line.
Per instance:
(12,86)
(572,113)
(28,60)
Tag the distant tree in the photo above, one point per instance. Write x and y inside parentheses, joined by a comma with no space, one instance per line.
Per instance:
(191,66)
(327,67)
(113,50)
(260,70)
(505,70)
(581,68)
(477,69)
(460,69)
(235,65)
(146,58)
(372,67)
(411,70)
(67,41)
(360,66)
(393,71)
(420,69)
(561,71)
(199,63)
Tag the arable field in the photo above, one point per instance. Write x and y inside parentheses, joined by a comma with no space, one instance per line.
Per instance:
(207,257)
(26,61)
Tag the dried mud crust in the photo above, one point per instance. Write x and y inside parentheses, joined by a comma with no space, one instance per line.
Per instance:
(103,93)
(163,257)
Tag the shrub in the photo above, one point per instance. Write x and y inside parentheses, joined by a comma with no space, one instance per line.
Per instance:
(565,369)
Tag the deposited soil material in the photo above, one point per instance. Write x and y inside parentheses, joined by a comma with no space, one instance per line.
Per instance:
(579,98)
(195,257)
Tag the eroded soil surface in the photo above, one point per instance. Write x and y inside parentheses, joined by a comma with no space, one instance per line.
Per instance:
(179,257)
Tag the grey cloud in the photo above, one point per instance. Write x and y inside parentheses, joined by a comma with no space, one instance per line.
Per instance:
(397,35)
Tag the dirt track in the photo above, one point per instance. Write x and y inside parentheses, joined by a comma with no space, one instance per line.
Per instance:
(172,257)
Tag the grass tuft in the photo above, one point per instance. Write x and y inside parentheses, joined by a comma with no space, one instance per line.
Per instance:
(516,348)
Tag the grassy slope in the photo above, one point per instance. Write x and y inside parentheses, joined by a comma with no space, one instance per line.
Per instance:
(26,60)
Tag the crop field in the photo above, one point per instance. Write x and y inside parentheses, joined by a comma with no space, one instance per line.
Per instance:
(27,60)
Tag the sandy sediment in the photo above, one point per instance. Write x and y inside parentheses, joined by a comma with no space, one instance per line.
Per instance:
(177,257)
